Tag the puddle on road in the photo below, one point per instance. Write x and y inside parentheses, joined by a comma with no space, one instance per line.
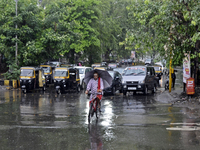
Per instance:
(133,122)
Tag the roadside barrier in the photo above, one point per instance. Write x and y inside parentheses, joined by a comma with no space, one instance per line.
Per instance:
(13,83)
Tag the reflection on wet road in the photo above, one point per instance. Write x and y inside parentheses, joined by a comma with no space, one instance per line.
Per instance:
(49,121)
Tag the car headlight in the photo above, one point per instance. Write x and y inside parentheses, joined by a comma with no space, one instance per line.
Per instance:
(124,86)
(29,81)
(54,80)
(142,81)
(20,80)
(123,81)
(63,81)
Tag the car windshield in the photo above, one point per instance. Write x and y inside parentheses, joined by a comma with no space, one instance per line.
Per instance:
(81,70)
(120,70)
(61,73)
(157,68)
(46,69)
(111,74)
(135,71)
(26,72)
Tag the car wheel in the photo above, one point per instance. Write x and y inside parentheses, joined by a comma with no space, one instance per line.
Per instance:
(44,88)
(24,91)
(166,86)
(134,92)
(154,89)
(58,91)
(113,90)
(124,93)
(83,85)
(78,88)
(145,90)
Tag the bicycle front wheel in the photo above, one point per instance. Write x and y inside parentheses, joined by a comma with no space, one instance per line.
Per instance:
(91,112)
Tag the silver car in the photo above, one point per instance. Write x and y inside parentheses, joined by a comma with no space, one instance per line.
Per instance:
(82,71)
(139,78)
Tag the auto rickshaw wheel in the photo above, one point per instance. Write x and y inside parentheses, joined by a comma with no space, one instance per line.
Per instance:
(44,88)
(78,88)
(113,90)
(58,91)
(24,91)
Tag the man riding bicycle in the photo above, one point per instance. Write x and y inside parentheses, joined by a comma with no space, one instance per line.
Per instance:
(96,86)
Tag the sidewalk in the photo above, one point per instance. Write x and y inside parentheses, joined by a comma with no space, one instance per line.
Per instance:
(178,98)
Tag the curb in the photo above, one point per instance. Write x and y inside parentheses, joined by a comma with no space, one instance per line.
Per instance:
(13,83)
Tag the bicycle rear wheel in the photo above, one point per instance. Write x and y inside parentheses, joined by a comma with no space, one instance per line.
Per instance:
(98,110)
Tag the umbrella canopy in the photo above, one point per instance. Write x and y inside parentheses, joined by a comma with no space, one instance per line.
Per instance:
(106,77)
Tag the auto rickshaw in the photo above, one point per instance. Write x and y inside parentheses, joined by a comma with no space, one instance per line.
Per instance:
(66,80)
(158,70)
(96,65)
(100,68)
(48,72)
(32,78)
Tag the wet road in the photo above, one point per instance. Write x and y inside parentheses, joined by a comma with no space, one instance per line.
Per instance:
(54,122)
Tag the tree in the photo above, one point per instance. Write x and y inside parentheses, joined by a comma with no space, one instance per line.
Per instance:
(164,26)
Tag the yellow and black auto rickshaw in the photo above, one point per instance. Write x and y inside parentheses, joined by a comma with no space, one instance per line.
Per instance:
(66,80)
(32,78)
(158,70)
(48,72)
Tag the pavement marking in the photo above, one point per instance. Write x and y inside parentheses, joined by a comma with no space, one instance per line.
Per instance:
(189,124)
(184,128)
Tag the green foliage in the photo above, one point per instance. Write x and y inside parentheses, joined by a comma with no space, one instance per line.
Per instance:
(13,73)
(164,26)
(88,29)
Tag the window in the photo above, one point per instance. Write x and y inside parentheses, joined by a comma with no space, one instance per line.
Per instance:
(148,70)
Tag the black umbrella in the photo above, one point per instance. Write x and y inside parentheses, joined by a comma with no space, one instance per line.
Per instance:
(106,77)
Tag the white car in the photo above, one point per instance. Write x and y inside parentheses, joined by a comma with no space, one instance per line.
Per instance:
(55,63)
(82,71)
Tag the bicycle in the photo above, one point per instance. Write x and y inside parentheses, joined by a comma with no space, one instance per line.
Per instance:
(94,108)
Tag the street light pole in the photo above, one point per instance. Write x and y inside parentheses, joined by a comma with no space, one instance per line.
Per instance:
(16,46)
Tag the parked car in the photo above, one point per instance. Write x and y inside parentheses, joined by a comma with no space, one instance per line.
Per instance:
(96,65)
(66,65)
(139,78)
(149,62)
(82,71)
(120,70)
(116,83)
(111,66)
(104,64)
(130,61)
(57,63)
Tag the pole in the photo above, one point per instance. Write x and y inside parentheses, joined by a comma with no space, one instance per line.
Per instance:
(170,74)
(16,45)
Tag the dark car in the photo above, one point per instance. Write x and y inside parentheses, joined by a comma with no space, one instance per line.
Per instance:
(130,61)
(149,62)
(139,78)
(116,83)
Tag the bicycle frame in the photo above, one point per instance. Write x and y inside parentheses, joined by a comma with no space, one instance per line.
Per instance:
(93,108)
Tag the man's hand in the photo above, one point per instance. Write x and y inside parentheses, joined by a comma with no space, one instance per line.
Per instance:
(100,90)
(86,92)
